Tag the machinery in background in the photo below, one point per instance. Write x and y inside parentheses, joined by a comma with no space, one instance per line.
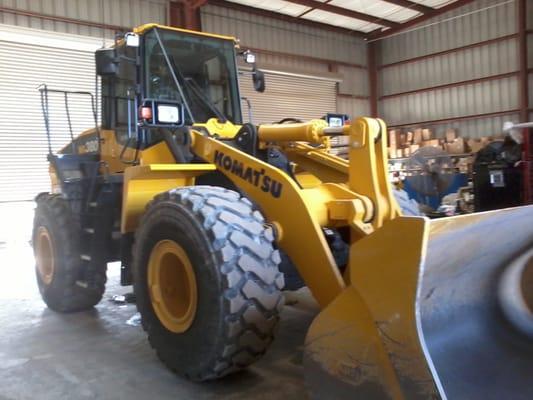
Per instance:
(430,174)
(498,176)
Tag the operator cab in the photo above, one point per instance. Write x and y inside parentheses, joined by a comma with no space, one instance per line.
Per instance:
(193,75)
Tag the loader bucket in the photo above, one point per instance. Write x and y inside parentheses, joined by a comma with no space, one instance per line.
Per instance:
(435,309)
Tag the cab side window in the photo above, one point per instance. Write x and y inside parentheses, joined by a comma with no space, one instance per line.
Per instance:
(117,91)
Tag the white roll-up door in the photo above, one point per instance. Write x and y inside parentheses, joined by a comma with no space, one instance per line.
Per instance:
(288,96)
(29,58)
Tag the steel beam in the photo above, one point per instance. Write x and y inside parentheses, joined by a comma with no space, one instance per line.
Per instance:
(282,17)
(460,118)
(418,20)
(345,12)
(412,6)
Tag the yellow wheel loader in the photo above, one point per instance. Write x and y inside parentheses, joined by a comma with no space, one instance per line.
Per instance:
(208,215)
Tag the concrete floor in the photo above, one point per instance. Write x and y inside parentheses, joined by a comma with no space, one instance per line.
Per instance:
(96,355)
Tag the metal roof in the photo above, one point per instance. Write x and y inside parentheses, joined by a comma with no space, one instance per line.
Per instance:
(362,16)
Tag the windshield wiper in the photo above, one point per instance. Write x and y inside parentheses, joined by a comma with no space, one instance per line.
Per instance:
(196,90)
(201,95)
(175,70)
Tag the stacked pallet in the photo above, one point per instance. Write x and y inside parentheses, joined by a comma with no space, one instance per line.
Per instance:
(403,144)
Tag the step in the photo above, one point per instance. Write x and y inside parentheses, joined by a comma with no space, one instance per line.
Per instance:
(82,284)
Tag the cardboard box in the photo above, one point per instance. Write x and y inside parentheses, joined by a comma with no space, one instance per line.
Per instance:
(417,136)
(410,136)
(399,153)
(414,147)
(427,134)
(450,135)
(394,139)
(431,143)
(403,139)
(457,147)
(475,145)
(392,151)
(406,151)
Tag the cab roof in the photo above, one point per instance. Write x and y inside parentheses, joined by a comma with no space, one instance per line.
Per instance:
(146,27)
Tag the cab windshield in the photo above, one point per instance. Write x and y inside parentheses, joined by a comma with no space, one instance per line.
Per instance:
(196,70)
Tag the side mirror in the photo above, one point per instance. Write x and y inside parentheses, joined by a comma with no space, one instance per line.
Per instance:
(162,114)
(258,78)
(106,62)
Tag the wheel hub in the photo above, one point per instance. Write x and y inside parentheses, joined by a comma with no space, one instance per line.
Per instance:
(172,286)
(45,257)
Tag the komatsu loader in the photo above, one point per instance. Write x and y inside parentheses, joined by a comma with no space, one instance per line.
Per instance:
(209,216)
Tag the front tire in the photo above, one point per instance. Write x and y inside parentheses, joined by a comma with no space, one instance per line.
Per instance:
(233,290)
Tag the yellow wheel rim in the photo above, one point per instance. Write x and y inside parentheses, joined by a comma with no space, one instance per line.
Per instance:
(172,286)
(45,255)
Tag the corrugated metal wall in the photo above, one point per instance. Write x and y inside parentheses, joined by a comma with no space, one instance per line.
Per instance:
(62,61)
(497,18)
(283,98)
(275,36)
(35,51)
(124,13)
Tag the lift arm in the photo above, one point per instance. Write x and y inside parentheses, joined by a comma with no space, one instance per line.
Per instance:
(298,214)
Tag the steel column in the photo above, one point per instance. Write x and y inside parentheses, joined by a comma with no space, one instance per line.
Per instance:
(524,96)
(186,14)
(372,79)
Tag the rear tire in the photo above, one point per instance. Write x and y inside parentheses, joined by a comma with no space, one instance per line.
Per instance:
(58,264)
(236,276)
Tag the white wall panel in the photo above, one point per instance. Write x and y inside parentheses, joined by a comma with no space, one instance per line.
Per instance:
(282,36)
(495,18)
(431,38)
(283,97)
(478,98)
(292,63)
(29,58)
(285,37)
(353,107)
(354,81)
(478,62)
(124,13)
